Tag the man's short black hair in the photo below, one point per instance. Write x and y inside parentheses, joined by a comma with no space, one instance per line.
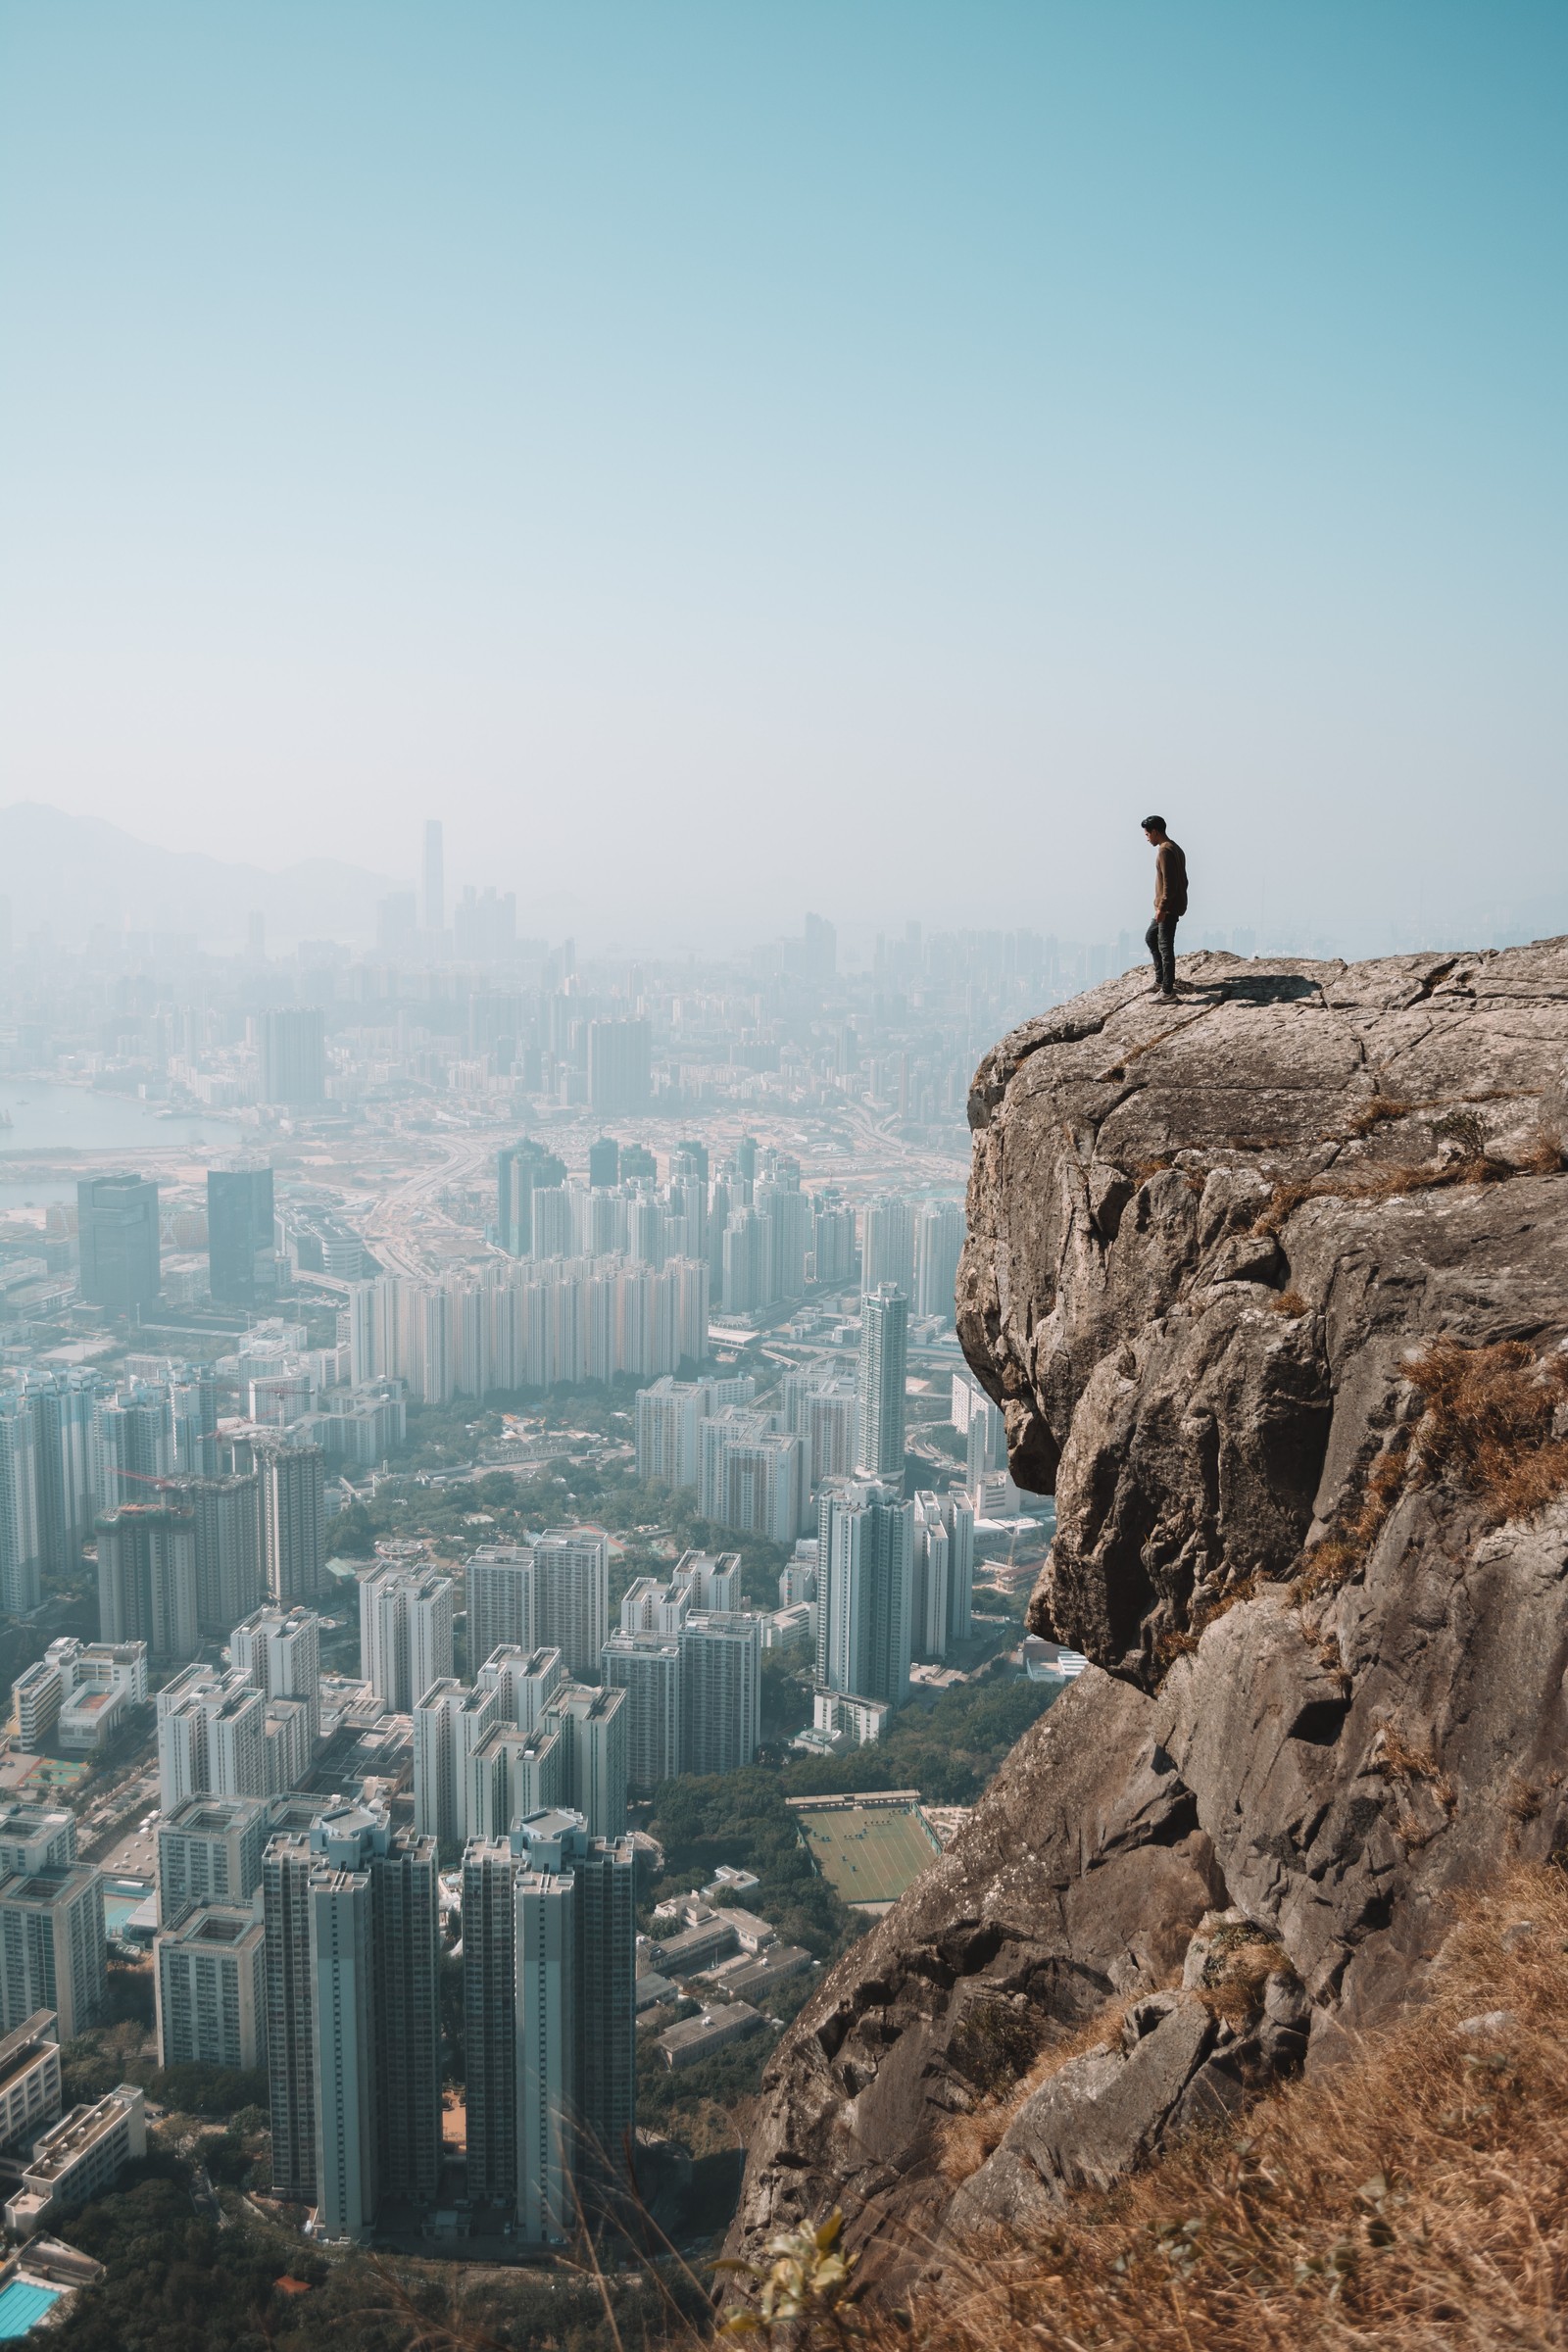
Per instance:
(1154,824)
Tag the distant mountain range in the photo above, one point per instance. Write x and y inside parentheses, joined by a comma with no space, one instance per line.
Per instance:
(72,873)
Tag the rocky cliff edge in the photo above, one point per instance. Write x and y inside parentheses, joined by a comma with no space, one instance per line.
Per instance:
(1272,1287)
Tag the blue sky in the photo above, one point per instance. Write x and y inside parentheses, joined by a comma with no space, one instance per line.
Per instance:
(726,459)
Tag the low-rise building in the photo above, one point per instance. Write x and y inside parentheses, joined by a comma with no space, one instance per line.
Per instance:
(31,2096)
(83,2155)
(697,2037)
(752,1972)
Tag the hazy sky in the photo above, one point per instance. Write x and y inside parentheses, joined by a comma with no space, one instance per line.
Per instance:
(857,454)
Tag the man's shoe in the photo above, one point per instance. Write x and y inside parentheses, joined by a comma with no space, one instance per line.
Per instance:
(1168,996)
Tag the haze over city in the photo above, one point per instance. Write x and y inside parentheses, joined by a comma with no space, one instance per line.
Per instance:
(724,462)
(648,1342)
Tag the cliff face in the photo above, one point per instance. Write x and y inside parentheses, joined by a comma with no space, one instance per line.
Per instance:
(1271,1286)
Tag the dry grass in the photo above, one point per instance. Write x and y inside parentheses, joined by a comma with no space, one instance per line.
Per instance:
(1415,2198)
(1290,1302)
(1487,1429)
(1487,1424)
(1373,1113)
(1470,1160)
(968,2140)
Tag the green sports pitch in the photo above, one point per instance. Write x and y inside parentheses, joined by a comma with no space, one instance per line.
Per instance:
(868,1853)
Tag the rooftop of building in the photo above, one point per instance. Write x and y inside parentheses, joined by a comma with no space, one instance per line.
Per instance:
(218,1924)
(55,1883)
(27,2043)
(79,2131)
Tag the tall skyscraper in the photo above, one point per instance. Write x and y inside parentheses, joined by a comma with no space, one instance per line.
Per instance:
(648,1668)
(210,1988)
(20,1547)
(226,1516)
(523,1169)
(241,1264)
(620,1058)
(139,1443)
(52,1949)
(118,1237)
(147,1578)
(68,1448)
(865,1590)
(499,1580)
(603,1161)
(293,1520)
(210,1851)
(353,2023)
(721,1673)
(880,1384)
(278,1651)
(751,1476)
(944,1573)
(572,1597)
(887,1244)
(592,1724)
(404,1635)
(557,2005)
(435,900)
(451,1722)
(293,1065)
(211,1738)
(939,1230)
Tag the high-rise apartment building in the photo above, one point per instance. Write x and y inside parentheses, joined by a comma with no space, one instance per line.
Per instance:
(865,1591)
(499,1585)
(451,1722)
(549,1936)
(226,1514)
(513,1773)
(292,1484)
(147,1578)
(572,1597)
(942,1592)
(750,1475)
(293,1056)
(822,1409)
(20,1552)
(433,905)
(887,1244)
(139,1443)
(646,1667)
(670,1417)
(721,1676)
(210,1988)
(592,1724)
(241,1258)
(36,1837)
(68,1455)
(118,1237)
(211,1738)
(939,1230)
(52,1949)
(619,1061)
(278,1651)
(880,1382)
(604,1162)
(404,1635)
(353,2024)
(210,1851)
(527,1681)
(523,1169)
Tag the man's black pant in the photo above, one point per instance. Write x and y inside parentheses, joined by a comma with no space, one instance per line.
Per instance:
(1161,941)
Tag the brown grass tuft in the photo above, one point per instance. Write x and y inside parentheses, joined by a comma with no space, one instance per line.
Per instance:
(1329,1563)
(1543,1155)
(1373,1113)
(1415,2199)
(1487,1424)
(1290,1302)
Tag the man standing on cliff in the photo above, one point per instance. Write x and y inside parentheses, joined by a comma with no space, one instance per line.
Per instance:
(1170,905)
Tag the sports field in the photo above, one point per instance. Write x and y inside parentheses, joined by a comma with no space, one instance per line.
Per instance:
(868,1853)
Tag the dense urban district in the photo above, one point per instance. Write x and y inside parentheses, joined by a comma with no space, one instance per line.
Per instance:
(504,1574)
